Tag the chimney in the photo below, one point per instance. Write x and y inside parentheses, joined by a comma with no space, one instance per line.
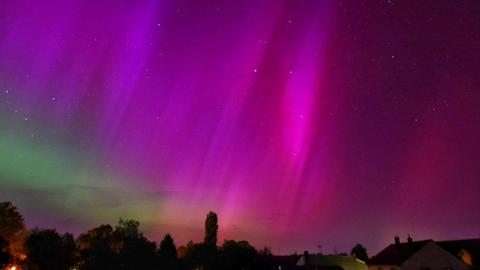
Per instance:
(409,239)
(306,258)
(397,241)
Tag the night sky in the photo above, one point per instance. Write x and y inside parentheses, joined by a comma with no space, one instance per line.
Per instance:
(298,122)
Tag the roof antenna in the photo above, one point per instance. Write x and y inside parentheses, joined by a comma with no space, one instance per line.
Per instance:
(319,246)
(409,239)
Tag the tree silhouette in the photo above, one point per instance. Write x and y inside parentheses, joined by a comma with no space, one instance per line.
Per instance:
(12,228)
(237,255)
(124,248)
(46,249)
(194,255)
(168,253)
(209,248)
(359,252)
(211,229)
(4,254)
(69,249)
(98,249)
(167,247)
(128,228)
(11,221)
(135,251)
(266,251)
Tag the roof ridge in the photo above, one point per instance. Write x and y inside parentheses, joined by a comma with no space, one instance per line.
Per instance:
(459,240)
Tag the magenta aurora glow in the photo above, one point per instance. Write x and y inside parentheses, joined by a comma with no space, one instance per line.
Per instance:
(299,122)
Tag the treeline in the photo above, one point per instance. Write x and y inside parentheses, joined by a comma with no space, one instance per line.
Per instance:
(122,247)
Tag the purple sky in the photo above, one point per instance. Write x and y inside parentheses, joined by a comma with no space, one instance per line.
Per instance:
(299,122)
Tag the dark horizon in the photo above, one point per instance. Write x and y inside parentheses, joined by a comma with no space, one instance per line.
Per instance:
(199,239)
(299,122)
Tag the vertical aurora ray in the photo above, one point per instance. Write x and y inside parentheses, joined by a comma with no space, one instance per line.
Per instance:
(284,117)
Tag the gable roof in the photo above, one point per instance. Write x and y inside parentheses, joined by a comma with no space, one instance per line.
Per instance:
(396,254)
(472,246)
(333,262)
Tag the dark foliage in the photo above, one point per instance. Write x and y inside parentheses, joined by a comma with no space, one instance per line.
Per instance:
(46,249)
(266,251)
(194,256)
(211,229)
(5,256)
(136,251)
(237,255)
(98,249)
(167,253)
(359,252)
(12,230)
(124,247)
(70,249)
(11,221)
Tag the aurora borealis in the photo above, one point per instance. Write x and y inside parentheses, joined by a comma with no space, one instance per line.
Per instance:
(299,122)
